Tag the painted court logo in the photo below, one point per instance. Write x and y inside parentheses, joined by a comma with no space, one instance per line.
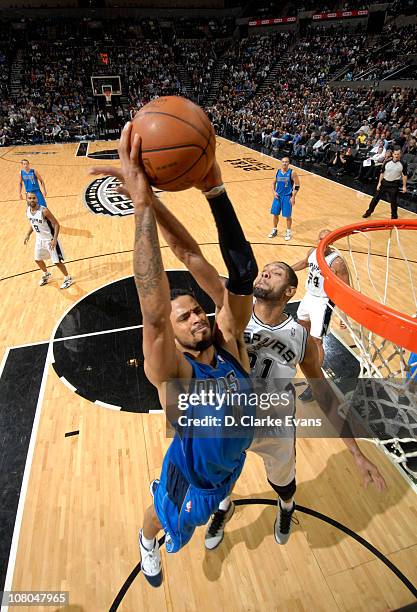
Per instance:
(248,164)
(102,198)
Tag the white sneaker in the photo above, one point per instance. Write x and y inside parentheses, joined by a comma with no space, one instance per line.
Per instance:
(274,233)
(151,563)
(215,529)
(67,283)
(45,278)
(288,235)
(283,524)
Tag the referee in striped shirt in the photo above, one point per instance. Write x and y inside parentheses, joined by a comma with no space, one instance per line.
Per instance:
(389,184)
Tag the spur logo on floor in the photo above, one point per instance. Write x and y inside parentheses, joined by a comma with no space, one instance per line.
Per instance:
(102,198)
(248,164)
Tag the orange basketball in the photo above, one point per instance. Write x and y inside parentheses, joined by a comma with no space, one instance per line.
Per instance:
(178,142)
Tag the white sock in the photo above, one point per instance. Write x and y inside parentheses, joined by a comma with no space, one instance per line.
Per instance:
(148,544)
(287,505)
(225,503)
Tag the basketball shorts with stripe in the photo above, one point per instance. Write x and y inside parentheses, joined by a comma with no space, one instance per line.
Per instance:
(318,311)
(181,507)
(43,251)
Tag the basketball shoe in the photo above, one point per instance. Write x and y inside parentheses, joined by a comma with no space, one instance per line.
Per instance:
(150,560)
(283,523)
(45,278)
(274,233)
(215,529)
(67,282)
(288,234)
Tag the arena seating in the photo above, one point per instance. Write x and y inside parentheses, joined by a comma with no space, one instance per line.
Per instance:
(273,90)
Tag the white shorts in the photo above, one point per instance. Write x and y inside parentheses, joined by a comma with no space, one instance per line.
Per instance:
(318,311)
(278,451)
(43,251)
(278,455)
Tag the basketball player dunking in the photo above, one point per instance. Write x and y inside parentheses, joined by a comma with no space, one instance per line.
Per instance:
(285,188)
(276,344)
(197,472)
(33,183)
(47,246)
(315,309)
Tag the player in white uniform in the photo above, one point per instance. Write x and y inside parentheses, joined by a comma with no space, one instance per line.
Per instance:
(276,344)
(47,246)
(274,353)
(315,309)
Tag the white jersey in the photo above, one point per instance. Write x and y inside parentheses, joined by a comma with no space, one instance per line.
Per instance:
(274,351)
(41,225)
(315,279)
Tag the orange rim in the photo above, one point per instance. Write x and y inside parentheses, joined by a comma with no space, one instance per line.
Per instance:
(384,321)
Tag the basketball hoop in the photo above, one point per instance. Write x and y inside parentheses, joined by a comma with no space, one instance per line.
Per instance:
(381,335)
(382,320)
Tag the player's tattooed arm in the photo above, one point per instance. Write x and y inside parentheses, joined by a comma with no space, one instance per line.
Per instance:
(147,260)
(162,360)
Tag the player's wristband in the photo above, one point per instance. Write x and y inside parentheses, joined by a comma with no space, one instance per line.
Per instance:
(214,192)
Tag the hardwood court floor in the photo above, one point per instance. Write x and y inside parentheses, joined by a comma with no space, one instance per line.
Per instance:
(84,499)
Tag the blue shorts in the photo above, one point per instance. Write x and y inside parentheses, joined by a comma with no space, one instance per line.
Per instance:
(282,204)
(181,507)
(41,197)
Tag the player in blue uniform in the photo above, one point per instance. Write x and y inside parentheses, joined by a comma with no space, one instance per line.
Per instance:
(285,188)
(205,458)
(274,288)
(33,183)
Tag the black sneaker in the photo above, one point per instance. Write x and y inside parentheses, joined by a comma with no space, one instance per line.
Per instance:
(283,523)
(215,529)
(366,215)
(306,395)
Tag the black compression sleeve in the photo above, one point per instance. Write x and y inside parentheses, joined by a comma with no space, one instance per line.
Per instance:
(236,250)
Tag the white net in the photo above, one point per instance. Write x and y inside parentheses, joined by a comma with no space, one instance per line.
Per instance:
(385,397)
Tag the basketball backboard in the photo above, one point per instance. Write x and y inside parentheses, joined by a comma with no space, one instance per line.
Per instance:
(103,83)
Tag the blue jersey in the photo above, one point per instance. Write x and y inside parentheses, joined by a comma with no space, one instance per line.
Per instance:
(283,183)
(212,456)
(30,180)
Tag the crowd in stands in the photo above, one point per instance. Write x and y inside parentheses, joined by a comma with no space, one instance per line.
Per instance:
(387,53)
(155,74)
(246,65)
(207,29)
(297,111)
(349,131)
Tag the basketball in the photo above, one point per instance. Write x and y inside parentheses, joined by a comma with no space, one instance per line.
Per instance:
(178,142)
